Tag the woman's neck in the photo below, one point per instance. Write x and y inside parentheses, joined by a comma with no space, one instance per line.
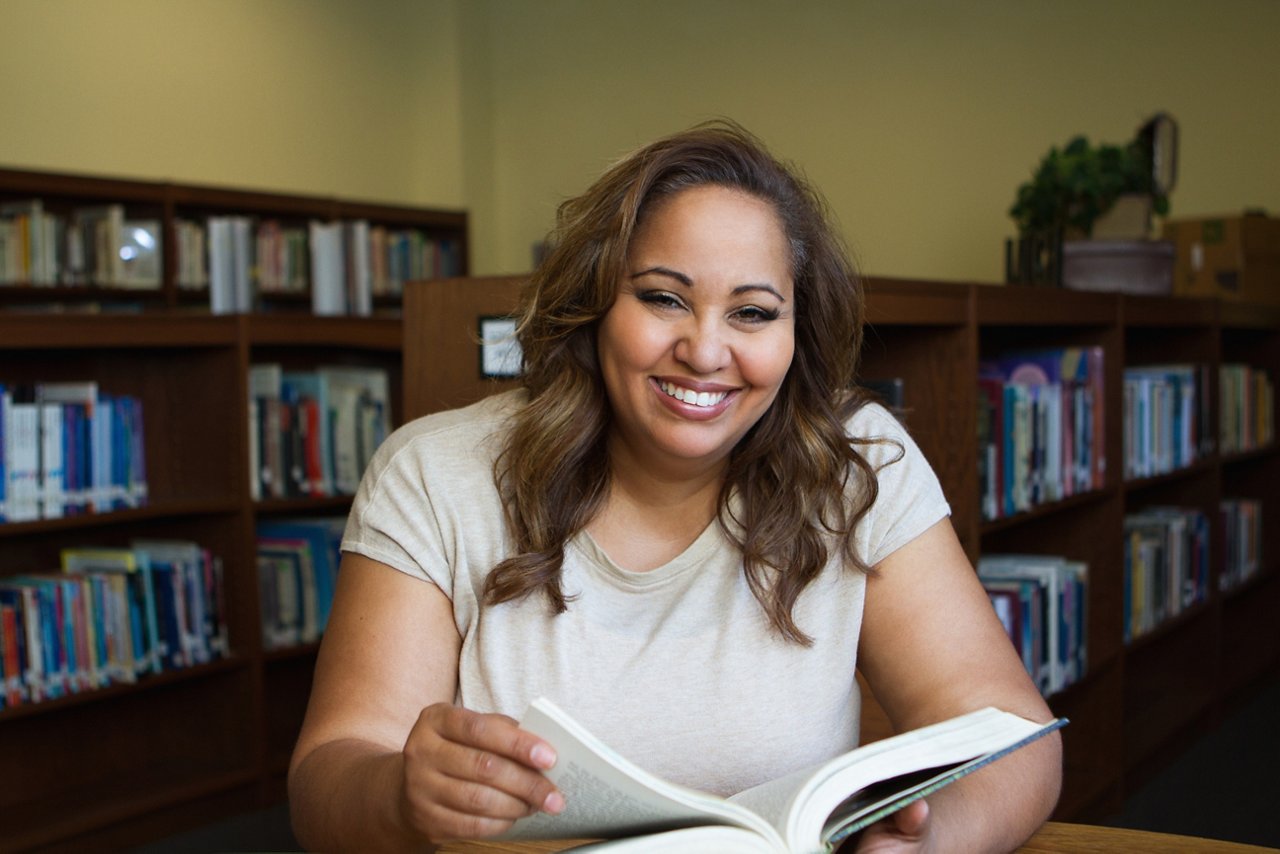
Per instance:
(652,514)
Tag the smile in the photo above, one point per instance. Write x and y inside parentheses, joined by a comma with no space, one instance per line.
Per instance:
(696,398)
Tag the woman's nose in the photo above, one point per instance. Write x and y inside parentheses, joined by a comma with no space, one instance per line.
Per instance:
(702,346)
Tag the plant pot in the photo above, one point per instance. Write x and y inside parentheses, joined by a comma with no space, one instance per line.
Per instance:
(1118,266)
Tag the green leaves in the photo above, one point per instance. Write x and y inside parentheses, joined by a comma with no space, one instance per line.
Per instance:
(1074,185)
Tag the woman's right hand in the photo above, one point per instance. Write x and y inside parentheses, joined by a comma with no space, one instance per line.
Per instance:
(469,775)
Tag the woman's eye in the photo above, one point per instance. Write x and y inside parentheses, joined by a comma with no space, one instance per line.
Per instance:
(662,299)
(756,314)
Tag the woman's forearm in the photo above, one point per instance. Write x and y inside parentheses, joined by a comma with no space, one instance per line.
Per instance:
(1001,806)
(347,796)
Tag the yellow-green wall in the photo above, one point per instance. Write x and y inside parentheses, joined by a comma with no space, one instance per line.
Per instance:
(916,119)
(355,98)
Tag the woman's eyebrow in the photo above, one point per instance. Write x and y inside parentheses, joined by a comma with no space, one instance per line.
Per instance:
(688,283)
(665,271)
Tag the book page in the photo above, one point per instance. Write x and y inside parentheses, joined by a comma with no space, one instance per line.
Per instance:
(608,796)
(689,840)
(952,749)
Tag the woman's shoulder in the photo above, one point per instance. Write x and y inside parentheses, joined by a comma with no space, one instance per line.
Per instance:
(872,420)
(468,427)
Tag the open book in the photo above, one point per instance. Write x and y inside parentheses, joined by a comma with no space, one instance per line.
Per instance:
(812,810)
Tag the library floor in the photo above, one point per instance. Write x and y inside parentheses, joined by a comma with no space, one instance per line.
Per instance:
(1225,786)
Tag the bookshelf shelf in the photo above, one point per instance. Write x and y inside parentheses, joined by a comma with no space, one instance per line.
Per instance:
(67,265)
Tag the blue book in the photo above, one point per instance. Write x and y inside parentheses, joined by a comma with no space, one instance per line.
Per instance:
(319,534)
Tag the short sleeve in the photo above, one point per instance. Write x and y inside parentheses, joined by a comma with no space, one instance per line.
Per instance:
(392,517)
(910,498)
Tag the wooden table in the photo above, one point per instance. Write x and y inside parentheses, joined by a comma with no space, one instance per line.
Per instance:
(1053,838)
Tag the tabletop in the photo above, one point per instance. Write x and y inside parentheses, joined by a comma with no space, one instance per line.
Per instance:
(1052,838)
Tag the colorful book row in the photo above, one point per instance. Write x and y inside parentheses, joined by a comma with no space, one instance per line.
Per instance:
(92,246)
(67,448)
(1166,566)
(1040,428)
(1166,418)
(112,615)
(1242,533)
(1246,408)
(311,433)
(1042,601)
(297,570)
(344,264)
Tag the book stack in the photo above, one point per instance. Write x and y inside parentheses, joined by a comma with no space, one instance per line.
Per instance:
(311,433)
(1242,533)
(1040,428)
(111,615)
(297,570)
(68,448)
(1166,566)
(1166,418)
(1042,602)
(1246,408)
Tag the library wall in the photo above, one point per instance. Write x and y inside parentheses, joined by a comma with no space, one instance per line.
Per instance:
(331,98)
(917,120)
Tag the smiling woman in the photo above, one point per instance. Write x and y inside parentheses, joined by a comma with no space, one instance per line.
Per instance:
(688,505)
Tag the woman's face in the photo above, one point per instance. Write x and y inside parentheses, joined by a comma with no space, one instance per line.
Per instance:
(702,331)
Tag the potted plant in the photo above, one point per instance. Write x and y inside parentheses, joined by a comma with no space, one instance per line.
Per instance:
(1084,217)
(1074,187)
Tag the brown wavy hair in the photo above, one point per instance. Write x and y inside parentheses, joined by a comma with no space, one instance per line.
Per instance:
(791,472)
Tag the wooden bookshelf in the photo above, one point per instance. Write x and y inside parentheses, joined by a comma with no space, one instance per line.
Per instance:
(111,768)
(129,763)
(1138,704)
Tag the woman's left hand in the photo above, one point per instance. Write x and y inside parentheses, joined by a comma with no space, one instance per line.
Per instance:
(906,830)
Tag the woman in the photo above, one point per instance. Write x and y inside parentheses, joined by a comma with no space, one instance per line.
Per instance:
(686,530)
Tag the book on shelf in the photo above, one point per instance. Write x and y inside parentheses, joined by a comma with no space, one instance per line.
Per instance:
(191,608)
(311,433)
(280,253)
(814,809)
(297,561)
(1166,566)
(1042,601)
(230,264)
(1242,540)
(1164,418)
(1246,409)
(30,238)
(1040,430)
(109,615)
(328,269)
(191,267)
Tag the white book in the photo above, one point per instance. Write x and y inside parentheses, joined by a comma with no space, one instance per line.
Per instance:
(52,473)
(21,457)
(810,810)
(328,269)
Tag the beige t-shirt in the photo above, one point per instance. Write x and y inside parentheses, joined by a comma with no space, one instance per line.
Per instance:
(676,668)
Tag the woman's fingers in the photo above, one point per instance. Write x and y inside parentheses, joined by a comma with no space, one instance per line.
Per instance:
(469,775)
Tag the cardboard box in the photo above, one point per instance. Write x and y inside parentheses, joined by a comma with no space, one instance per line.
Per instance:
(1232,257)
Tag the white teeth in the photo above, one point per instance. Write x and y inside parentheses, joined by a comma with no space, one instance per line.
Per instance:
(686,395)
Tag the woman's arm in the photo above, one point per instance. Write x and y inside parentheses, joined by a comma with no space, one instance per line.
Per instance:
(384,760)
(932,648)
